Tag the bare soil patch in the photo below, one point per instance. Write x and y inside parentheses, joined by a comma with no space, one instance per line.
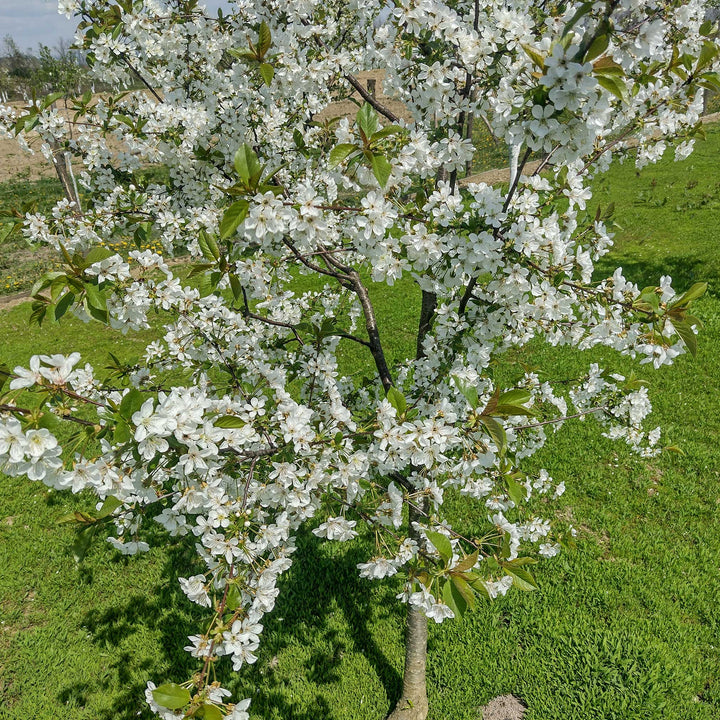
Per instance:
(504,707)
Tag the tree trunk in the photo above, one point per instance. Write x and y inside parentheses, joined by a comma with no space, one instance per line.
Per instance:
(413,704)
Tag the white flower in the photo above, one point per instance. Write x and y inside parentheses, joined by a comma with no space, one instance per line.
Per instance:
(27,378)
(377,569)
(336,528)
(194,588)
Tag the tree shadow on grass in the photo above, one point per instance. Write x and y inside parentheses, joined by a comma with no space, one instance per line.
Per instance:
(326,607)
(683,269)
(323,606)
(167,616)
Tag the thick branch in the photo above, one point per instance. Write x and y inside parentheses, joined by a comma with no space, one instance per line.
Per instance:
(372,330)
(368,98)
(427,312)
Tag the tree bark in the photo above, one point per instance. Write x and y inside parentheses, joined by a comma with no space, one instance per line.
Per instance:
(413,704)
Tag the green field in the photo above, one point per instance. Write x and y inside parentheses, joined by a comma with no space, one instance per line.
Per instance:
(624,627)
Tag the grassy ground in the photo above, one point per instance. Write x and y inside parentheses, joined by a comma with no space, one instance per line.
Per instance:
(626,626)
(21,265)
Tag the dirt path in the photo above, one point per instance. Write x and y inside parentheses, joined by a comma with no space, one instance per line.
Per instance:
(10,301)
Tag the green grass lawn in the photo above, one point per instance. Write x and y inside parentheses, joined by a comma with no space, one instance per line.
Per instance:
(625,627)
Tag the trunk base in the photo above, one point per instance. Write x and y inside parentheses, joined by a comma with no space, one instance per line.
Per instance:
(410,709)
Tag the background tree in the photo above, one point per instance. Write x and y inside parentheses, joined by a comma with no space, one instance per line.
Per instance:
(248,417)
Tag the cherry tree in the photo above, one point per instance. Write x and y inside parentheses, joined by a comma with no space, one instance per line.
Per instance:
(262,428)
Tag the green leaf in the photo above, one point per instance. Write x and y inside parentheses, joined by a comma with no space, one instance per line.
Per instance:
(199,268)
(235,286)
(48,100)
(208,712)
(208,246)
(598,46)
(171,696)
(468,562)
(247,164)
(385,132)
(516,491)
(648,300)
(97,254)
(264,39)
(492,402)
(4,375)
(95,297)
(242,54)
(233,217)
(613,85)
(534,55)
(46,280)
(49,421)
(520,396)
(693,293)
(299,139)
(478,585)
(522,578)
(78,516)
(469,392)
(267,72)
(229,421)
(496,432)
(234,597)
(381,169)
(708,53)
(367,120)
(462,587)
(684,330)
(122,432)
(441,544)
(520,561)
(64,304)
(340,152)
(109,506)
(6,229)
(453,599)
(504,410)
(80,546)
(607,66)
(131,403)
(209,283)
(397,400)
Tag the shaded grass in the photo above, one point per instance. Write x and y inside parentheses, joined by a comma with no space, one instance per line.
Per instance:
(625,626)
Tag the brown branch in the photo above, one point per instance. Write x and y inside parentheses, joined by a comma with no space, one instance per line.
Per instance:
(260,318)
(554,421)
(27,411)
(382,109)
(135,72)
(372,330)
(427,312)
(344,280)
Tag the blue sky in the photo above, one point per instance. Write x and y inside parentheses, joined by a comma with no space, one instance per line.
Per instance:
(31,22)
